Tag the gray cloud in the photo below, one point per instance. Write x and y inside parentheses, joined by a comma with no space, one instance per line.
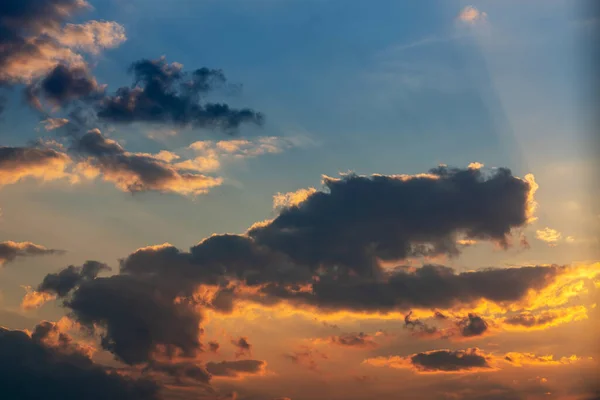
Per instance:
(10,251)
(31,369)
(164,93)
(61,283)
(450,361)
(63,85)
(140,318)
(243,346)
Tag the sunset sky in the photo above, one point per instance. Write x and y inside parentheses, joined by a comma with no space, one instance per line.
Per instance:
(298,200)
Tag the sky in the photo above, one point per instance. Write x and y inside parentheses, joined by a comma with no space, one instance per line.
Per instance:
(316,199)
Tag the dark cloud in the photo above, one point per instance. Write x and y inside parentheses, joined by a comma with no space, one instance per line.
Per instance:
(164,93)
(9,250)
(30,369)
(430,286)
(360,220)
(450,361)
(467,327)
(63,85)
(472,325)
(416,325)
(140,318)
(243,346)
(213,346)
(234,369)
(63,282)
(335,239)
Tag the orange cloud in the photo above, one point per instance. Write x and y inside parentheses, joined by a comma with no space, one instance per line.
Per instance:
(18,163)
(91,36)
(526,320)
(292,199)
(33,299)
(472,15)
(548,235)
(525,359)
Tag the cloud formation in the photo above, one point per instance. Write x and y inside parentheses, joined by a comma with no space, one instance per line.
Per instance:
(154,305)
(32,369)
(9,251)
(163,93)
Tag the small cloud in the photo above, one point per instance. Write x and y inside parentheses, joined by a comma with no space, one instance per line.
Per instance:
(472,15)
(548,235)
(475,165)
(292,199)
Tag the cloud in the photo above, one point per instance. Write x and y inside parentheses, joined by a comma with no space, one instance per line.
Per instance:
(139,318)
(306,357)
(136,172)
(541,320)
(163,93)
(209,156)
(548,235)
(462,327)
(34,38)
(63,282)
(51,124)
(472,325)
(91,36)
(183,372)
(63,85)
(360,220)
(523,359)
(292,199)
(32,369)
(357,340)
(9,251)
(472,15)
(236,369)
(243,346)
(446,361)
(214,346)
(17,163)
(155,304)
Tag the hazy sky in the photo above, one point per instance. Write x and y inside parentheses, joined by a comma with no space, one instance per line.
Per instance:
(268,199)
